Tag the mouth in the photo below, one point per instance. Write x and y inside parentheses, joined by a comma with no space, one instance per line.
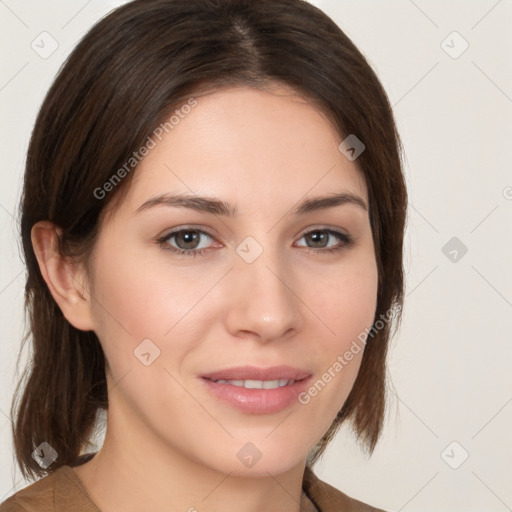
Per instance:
(257,384)
(257,375)
(257,390)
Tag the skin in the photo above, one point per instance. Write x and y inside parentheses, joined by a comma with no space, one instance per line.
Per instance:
(169,444)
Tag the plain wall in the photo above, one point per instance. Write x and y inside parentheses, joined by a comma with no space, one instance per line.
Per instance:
(449,365)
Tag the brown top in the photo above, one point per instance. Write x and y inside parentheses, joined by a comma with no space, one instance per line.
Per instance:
(63,491)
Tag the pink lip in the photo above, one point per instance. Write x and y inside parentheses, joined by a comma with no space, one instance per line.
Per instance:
(257,401)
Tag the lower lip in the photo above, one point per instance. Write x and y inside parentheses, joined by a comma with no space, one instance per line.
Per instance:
(257,401)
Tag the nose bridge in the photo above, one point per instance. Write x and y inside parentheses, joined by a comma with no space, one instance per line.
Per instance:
(263,301)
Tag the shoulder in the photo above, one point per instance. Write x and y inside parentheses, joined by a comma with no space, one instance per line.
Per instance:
(36,496)
(329,499)
(59,491)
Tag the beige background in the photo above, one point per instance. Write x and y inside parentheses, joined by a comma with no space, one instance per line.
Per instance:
(449,366)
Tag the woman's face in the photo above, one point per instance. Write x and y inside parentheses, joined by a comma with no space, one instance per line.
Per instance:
(272,294)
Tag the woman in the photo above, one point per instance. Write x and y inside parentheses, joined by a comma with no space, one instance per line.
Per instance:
(212,220)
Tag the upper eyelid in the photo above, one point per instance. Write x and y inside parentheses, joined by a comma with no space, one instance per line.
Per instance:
(179,230)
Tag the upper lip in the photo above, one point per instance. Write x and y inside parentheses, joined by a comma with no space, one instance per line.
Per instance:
(254,373)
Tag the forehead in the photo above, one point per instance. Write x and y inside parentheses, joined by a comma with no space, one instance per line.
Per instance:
(250,147)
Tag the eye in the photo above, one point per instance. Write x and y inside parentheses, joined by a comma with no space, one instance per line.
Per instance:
(194,242)
(321,239)
(190,242)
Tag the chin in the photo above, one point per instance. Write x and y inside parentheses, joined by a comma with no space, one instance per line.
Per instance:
(258,457)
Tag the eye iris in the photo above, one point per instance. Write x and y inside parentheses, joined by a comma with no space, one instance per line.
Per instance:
(318,237)
(188,237)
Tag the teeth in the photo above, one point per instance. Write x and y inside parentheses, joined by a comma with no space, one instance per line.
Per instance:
(257,384)
(271,384)
(253,384)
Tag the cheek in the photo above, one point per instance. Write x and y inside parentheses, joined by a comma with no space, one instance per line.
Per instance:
(347,309)
(140,309)
(348,300)
(356,304)
(140,299)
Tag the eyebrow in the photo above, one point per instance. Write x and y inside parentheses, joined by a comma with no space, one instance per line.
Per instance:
(218,207)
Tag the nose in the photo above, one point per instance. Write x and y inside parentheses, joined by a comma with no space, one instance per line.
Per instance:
(264,303)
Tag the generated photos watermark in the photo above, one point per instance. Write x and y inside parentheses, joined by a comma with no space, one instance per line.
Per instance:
(143,151)
(343,360)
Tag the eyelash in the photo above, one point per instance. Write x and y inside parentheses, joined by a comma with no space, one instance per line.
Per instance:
(345,239)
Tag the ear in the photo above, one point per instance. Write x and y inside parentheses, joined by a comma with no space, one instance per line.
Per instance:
(65,280)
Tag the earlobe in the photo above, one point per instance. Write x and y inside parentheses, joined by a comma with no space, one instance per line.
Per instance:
(65,280)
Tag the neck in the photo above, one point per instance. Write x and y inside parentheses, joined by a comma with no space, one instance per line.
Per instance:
(135,471)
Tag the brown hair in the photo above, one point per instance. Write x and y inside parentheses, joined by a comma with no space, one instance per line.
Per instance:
(117,85)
